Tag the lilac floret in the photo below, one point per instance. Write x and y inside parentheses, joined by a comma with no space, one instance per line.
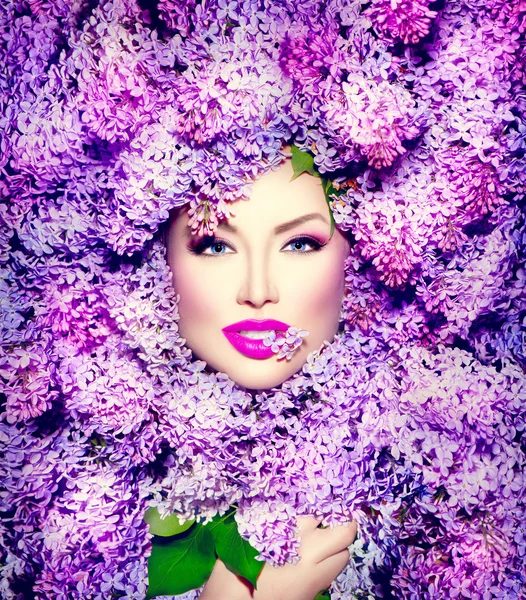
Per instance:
(285,344)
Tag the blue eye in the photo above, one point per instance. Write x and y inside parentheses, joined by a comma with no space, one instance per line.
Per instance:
(302,245)
(216,248)
(210,246)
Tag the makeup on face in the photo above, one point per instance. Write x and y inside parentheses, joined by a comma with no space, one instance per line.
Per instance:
(272,265)
(306,242)
(247,336)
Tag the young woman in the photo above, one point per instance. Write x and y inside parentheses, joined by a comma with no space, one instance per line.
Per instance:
(410,420)
(274,264)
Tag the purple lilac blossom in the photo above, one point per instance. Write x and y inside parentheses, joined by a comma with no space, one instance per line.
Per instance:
(412,421)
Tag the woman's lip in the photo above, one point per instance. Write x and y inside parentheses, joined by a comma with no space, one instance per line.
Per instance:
(248,346)
(253,325)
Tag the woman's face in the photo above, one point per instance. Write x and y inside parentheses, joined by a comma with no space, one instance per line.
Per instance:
(273,261)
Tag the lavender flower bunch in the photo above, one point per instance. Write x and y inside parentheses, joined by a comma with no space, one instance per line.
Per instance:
(412,421)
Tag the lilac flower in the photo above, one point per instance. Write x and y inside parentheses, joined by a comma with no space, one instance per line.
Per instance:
(411,421)
(406,20)
(284,345)
(177,16)
(308,57)
(375,118)
(274,341)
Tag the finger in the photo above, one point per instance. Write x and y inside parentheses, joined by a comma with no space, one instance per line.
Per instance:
(331,567)
(306,524)
(222,581)
(324,543)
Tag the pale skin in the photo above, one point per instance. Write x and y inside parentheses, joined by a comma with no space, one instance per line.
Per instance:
(323,555)
(275,258)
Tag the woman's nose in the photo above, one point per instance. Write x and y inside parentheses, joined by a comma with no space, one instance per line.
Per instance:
(256,287)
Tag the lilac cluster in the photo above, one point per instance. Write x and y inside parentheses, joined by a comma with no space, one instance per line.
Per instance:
(412,421)
(405,20)
(284,345)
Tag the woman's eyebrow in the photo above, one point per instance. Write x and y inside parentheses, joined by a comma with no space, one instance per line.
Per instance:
(284,226)
(299,221)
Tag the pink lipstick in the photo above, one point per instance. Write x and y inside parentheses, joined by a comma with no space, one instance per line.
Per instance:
(247,336)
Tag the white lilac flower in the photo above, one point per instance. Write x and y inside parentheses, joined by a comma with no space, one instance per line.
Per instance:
(284,344)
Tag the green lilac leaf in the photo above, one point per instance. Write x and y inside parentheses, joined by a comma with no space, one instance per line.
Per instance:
(329,191)
(302,162)
(237,554)
(324,595)
(165,527)
(182,564)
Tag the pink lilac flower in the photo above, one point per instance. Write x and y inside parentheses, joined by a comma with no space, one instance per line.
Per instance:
(405,20)
(308,57)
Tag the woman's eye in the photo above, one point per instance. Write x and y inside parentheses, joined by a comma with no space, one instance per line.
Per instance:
(303,244)
(216,248)
(211,247)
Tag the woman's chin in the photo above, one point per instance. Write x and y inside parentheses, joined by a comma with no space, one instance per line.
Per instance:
(265,374)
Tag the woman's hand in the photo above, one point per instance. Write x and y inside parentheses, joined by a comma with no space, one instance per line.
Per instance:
(323,555)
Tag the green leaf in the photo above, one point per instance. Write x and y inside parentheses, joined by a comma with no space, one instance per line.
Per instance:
(323,595)
(302,162)
(237,554)
(329,191)
(165,527)
(181,564)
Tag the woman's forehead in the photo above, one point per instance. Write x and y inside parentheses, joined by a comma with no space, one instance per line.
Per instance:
(276,203)
(275,198)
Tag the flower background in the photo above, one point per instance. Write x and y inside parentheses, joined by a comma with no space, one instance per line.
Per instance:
(412,421)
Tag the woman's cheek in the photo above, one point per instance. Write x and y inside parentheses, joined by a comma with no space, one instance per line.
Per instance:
(196,290)
(192,292)
(196,303)
(329,287)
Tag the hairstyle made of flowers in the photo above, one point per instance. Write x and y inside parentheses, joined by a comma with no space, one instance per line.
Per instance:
(412,421)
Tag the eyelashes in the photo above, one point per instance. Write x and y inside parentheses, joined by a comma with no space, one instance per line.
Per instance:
(303,240)
(213,246)
(200,246)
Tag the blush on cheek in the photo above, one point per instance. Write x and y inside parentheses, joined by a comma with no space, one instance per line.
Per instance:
(202,301)
(191,296)
(192,305)
(333,283)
